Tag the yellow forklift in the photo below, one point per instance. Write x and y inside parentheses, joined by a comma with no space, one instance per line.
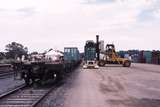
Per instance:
(110,57)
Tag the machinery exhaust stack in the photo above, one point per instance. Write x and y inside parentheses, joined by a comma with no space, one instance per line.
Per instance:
(97,47)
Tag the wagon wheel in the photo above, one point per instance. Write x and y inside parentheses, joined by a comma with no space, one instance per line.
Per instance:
(59,76)
(27,79)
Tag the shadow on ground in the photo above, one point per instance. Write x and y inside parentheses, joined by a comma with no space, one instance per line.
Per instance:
(135,102)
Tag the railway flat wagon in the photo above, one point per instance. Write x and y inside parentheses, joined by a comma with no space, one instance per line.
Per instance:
(42,71)
(39,71)
(49,66)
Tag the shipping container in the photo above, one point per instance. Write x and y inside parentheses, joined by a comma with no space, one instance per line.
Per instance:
(134,55)
(159,59)
(71,54)
(155,57)
(148,56)
(141,57)
(90,51)
(126,55)
(135,58)
(121,54)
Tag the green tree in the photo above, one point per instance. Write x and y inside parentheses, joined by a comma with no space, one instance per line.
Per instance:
(2,55)
(15,50)
(34,53)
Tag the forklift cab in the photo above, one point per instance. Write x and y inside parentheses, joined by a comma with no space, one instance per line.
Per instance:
(110,50)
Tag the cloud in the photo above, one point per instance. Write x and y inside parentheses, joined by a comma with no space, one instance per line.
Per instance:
(146,15)
(60,22)
(27,11)
(150,13)
(9,14)
(2,9)
(98,1)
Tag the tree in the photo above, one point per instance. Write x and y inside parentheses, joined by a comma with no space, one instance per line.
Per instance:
(2,55)
(34,53)
(15,50)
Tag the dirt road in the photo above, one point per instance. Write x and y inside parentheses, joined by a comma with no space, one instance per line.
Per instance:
(111,86)
(116,86)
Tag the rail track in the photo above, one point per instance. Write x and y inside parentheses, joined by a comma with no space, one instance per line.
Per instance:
(24,96)
(4,74)
(6,70)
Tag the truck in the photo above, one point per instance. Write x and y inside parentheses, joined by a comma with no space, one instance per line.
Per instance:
(90,55)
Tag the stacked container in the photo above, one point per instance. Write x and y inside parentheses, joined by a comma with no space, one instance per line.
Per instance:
(159,59)
(121,54)
(148,56)
(135,58)
(141,57)
(71,54)
(134,55)
(90,51)
(155,57)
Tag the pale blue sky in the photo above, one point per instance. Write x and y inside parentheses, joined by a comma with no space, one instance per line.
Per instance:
(44,24)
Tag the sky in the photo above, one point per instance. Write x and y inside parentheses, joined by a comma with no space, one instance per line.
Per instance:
(44,24)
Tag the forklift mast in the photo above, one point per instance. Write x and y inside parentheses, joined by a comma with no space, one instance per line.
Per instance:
(110,50)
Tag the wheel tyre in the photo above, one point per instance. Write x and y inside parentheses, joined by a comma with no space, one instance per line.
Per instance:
(101,63)
(58,78)
(127,64)
(27,79)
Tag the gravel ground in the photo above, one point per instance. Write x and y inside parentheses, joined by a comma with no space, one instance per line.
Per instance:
(8,83)
(112,86)
(57,97)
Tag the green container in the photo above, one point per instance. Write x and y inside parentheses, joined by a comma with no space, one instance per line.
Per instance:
(71,54)
(90,51)
(148,56)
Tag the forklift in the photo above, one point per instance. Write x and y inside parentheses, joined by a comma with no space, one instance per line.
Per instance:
(110,57)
